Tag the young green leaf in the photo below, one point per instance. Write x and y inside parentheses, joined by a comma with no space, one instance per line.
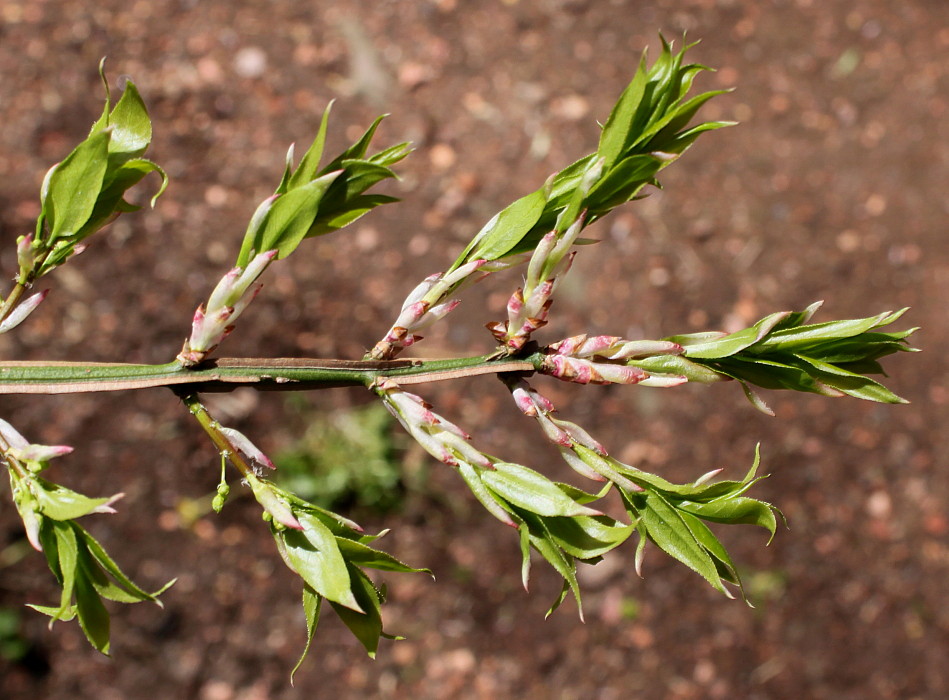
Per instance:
(312,602)
(131,127)
(535,493)
(671,534)
(315,556)
(93,617)
(367,625)
(74,186)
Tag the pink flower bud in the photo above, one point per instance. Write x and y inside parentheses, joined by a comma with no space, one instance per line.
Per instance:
(411,314)
(553,432)
(535,268)
(24,252)
(223,293)
(539,301)
(580,436)
(616,374)
(524,401)
(579,466)
(421,290)
(273,503)
(242,443)
(31,523)
(40,453)
(463,272)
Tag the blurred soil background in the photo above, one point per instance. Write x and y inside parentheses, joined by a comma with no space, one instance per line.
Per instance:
(833,187)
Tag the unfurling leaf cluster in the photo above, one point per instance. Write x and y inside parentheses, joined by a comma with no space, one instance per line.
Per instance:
(647,130)
(313,201)
(86,190)
(330,553)
(782,351)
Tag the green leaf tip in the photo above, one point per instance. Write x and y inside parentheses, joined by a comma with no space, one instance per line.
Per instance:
(312,201)
(647,129)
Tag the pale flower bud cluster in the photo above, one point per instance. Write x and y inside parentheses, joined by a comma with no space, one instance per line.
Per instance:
(215,320)
(20,449)
(579,449)
(600,360)
(429,302)
(441,438)
(528,307)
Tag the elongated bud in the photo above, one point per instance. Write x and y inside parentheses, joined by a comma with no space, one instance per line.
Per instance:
(421,290)
(273,503)
(40,453)
(248,448)
(258,218)
(22,310)
(12,436)
(24,253)
(31,523)
(535,268)
(463,272)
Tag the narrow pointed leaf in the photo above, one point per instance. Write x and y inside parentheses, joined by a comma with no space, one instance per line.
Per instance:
(315,556)
(312,602)
(532,491)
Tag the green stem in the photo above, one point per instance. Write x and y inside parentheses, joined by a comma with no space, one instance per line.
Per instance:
(212,428)
(274,374)
(13,298)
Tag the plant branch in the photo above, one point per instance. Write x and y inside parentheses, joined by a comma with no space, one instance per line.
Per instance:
(226,374)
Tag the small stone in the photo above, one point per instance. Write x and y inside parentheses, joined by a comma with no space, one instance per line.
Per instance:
(250,62)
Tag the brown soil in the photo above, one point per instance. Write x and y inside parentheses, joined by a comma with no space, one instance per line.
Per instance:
(833,188)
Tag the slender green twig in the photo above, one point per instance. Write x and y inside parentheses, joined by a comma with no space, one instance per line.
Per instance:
(272,374)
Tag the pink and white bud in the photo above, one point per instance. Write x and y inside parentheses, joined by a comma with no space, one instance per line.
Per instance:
(538,262)
(421,290)
(436,313)
(524,402)
(22,310)
(24,253)
(433,445)
(243,444)
(579,466)
(616,374)
(274,504)
(243,301)
(449,427)
(536,305)
(411,314)
(31,523)
(569,237)
(632,349)
(40,453)
(412,408)
(580,436)
(561,269)
(209,328)
(12,436)
(255,268)
(552,431)
(463,449)
(463,272)
(223,292)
